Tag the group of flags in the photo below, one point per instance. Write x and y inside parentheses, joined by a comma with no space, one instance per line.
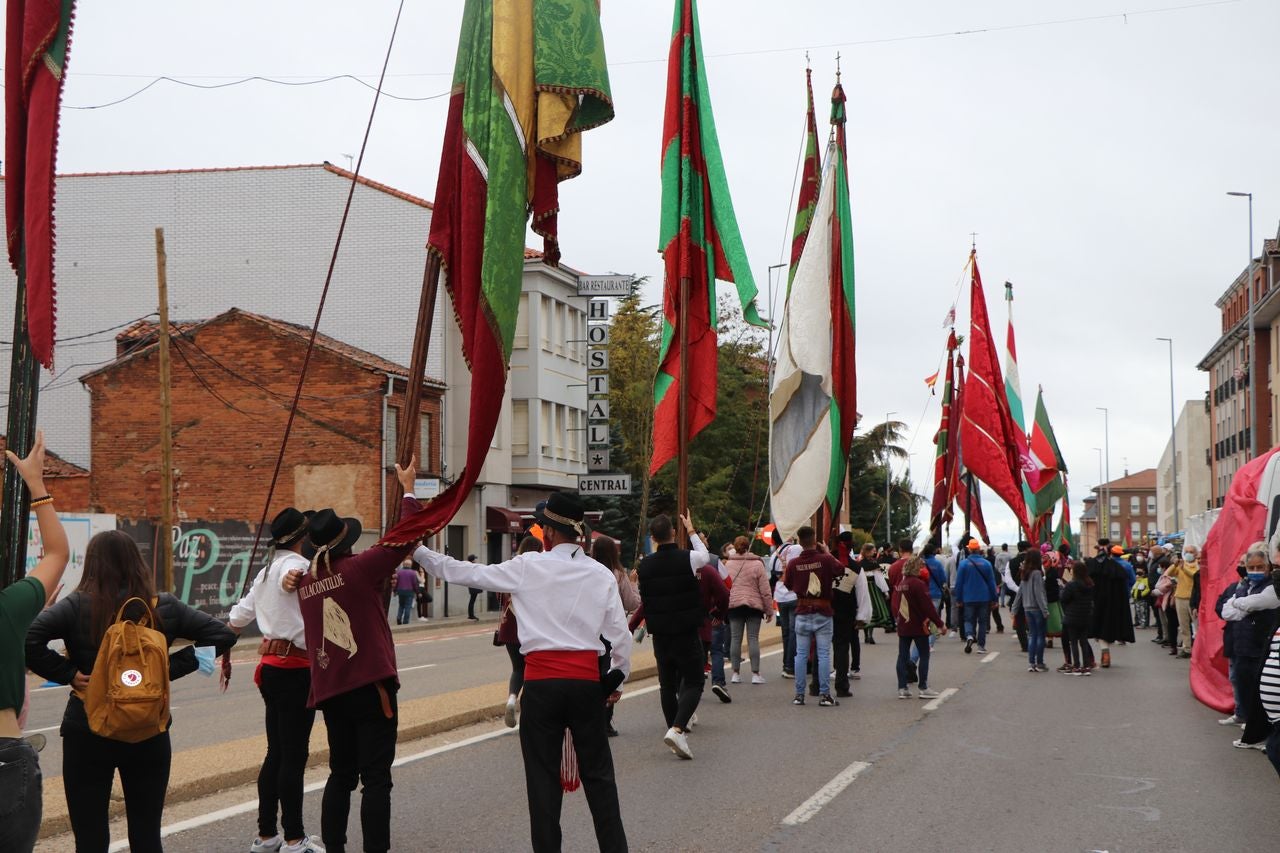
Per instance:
(983,435)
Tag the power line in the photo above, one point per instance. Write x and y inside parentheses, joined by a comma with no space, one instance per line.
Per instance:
(277,81)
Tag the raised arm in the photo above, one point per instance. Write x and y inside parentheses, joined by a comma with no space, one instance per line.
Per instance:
(499,577)
(53,538)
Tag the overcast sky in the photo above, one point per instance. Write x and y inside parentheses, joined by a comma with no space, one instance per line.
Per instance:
(1092,158)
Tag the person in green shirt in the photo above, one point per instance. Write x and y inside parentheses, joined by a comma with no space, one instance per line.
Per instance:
(21,785)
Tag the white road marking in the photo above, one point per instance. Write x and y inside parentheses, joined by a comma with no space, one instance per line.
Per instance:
(942,697)
(826,794)
(412,668)
(51,687)
(989,658)
(38,731)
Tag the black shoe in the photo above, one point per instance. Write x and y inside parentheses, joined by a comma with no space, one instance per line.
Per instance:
(722,693)
(611,730)
(870,641)
(1157,639)
(968,646)
(813,691)
(826,701)
(799,700)
(843,694)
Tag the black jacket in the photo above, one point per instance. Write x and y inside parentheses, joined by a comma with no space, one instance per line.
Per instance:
(68,620)
(1077,604)
(1228,628)
(1251,636)
(669,591)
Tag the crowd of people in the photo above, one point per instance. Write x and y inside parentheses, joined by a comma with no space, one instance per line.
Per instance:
(317,604)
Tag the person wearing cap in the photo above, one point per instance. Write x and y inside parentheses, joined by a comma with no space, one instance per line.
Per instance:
(564,602)
(284,680)
(975,589)
(353,667)
(1111,622)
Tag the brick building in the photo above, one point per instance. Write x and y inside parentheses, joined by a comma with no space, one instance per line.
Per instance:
(1128,512)
(67,482)
(1232,374)
(233,380)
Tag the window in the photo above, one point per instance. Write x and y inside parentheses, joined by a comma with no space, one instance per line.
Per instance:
(558,427)
(1135,505)
(545,436)
(561,328)
(389,438)
(1151,504)
(544,322)
(424,444)
(1115,531)
(519,427)
(1115,505)
(522,324)
(575,424)
(1151,530)
(1135,531)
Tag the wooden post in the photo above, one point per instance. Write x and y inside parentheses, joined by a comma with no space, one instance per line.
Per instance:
(408,429)
(682,426)
(164,537)
(24,394)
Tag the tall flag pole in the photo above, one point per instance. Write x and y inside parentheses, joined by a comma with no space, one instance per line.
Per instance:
(529,79)
(987,432)
(1047,458)
(700,243)
(1013,391)
(941,457)
(37,46)
(811,169)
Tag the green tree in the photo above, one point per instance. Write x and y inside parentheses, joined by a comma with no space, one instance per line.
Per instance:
(871,456)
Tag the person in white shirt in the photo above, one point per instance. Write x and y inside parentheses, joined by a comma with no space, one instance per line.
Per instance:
(284,679)
(564,602)
(785,599)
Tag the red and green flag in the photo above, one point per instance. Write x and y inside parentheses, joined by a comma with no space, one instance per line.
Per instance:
(529,79)
(941,457)
(1063,533)
(844,376)
(37,44)
(1048,460)
(699,241)
(811,169)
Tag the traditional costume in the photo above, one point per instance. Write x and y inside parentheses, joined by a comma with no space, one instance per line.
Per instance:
(564,602)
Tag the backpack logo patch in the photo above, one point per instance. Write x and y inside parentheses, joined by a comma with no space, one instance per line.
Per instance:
(130,678)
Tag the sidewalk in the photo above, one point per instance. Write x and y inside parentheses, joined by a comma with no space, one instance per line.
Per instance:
(199,772)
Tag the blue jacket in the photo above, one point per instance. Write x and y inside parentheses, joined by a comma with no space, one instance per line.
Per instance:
(975,580)
(937,577)
(1130,574)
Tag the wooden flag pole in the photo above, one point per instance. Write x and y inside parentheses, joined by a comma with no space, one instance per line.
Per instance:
(24,394)
(408,429)
(163,554)
(682,435)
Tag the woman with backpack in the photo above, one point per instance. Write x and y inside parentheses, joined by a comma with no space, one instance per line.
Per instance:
(749,602)
(114,576)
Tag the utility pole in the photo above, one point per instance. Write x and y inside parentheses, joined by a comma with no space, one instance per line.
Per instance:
(164,534)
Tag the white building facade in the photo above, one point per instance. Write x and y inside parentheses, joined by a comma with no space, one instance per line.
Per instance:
(1194,468)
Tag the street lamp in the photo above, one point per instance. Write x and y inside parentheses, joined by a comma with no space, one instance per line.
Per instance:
(1249,283)
(888,507)
(1100,482)
(1106,443)
(1173,439)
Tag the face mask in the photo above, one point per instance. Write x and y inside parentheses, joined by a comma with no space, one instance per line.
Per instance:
(1188,556)
(1257,577)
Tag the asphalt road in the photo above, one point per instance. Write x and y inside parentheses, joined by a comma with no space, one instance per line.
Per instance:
(430,662)
(1125,760)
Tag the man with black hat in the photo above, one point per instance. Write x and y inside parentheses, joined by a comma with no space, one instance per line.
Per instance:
(564,602)
(284,679)
(353,667)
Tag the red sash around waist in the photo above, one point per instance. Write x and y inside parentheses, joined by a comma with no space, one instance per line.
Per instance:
(578,665)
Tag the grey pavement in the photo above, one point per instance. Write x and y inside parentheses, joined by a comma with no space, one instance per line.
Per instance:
(1125,760)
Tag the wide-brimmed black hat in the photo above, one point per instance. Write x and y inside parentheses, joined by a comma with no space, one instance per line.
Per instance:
(562,512)
(333,533)
(289,526)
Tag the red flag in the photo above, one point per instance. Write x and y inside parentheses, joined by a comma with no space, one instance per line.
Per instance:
(987,432)
(37,43)
(942,459)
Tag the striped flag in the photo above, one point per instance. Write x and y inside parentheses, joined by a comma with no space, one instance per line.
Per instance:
(699,241)
(807,201)
(529,79)
(1048,460)
(941,457)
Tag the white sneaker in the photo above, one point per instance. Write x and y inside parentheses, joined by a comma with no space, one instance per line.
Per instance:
(1240,744)
(928,694)
(757,678)
(693,720)
(510,716)
(306,845)
(423,619)
(735,679)
(904,693)
(678,742)
(1233,720)
(269,846)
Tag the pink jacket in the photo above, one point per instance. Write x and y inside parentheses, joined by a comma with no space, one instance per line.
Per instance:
(750,583)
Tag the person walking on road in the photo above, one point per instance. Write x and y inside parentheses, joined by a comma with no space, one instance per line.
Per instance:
(877,594)
(508,636)
(812,575)
(785,599)
(21,785)
(975,589)
(284,680)
(1077,616)
(750,602)
(1184,573)
(604,550)
(114,575)
(565,603)
(850,610)
(916,615)
(1033,605)
(674,612)
(406,592)
(1111,622)
(344,615)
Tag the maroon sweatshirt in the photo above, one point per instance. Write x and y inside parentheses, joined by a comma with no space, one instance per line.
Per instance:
(810,563)
(348,636)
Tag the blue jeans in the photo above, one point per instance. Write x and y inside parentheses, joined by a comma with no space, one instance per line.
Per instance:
(1035,637)
(975,621)
(1238,710)
(787,622)
(404,612)
(816,627)
(920,645)
(20,798)
(719,642)
(933,638)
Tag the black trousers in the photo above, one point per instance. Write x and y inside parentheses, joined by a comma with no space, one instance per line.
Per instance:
(547,708)
(471,602)
(288,725)
(89,763)
(362,745)
(680,675)
(1256,725)
(846,651)
(516,681)
(21,789)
